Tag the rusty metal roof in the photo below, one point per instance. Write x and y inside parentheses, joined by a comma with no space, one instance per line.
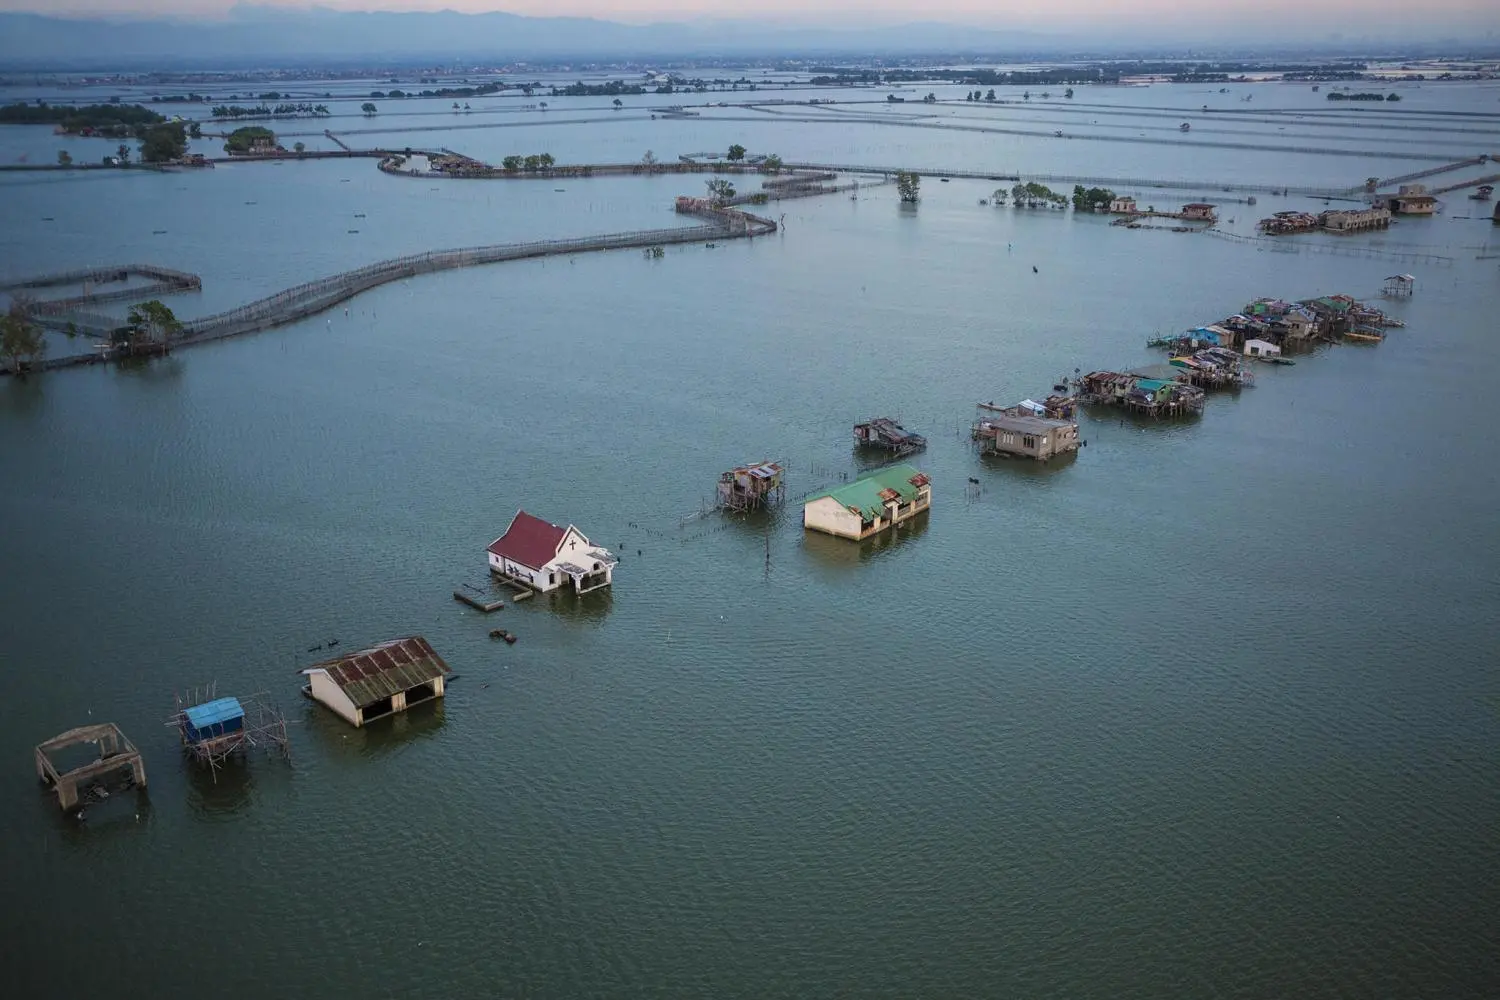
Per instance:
(380,671)
(529,541)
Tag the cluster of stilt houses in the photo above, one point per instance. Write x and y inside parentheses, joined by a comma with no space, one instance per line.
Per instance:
(1268,327)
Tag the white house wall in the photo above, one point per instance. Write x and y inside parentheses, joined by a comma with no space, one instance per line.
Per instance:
(330,694)
(827,514)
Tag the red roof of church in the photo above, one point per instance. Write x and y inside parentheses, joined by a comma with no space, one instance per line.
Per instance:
(529,541)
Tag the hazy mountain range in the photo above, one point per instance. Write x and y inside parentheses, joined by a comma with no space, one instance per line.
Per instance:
(266,37)
(273,36)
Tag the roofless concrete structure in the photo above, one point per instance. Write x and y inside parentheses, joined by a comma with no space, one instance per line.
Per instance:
(116,754)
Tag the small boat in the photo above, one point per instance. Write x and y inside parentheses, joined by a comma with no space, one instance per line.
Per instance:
(1278,361)
(1184,127)
(1059,387)
(500,633)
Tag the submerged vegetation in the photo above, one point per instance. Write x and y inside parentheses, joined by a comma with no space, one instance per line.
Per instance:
(242,140)
(909,186)
(164,143)
(1094,199)
(114,120)
(1337,96)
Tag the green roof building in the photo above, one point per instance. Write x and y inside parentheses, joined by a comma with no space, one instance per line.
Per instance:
(870,505)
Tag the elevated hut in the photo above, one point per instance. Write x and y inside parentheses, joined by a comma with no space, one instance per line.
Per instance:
(752,486)
(213,729)
(885,433)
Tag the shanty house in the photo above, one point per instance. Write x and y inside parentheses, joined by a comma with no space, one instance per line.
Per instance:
(212,720)
(544,556)
(1261,349)
(870,505)
(883,432)
(1199,212)
(378,681)
(1028,437)
(1123,205)
(751,486)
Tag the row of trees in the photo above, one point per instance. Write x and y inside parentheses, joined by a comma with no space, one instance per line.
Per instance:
(1093,199)
(94,116)
(268,111)
(1336,96)
(974,95)
(535,163)
(612,89)
(1034,195)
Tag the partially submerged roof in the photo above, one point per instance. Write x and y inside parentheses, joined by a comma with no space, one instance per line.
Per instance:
(1162,372)
(214,713)
(867,497)
(529,541)
(1025,425)
(380,671)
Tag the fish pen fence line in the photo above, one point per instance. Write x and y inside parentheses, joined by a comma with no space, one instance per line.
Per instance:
(1374,253)
(1014,177)
(1417,175)
(316,296)
(100,273)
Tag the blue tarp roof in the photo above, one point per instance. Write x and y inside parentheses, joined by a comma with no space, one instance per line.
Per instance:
(214,712)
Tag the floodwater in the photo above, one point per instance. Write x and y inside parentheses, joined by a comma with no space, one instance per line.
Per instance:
(1211,710)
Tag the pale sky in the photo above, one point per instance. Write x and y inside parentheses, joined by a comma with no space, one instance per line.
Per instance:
(1262,20)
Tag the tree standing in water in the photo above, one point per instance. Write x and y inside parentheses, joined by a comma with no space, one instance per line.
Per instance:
(21,340)
(908,186)
(153,323)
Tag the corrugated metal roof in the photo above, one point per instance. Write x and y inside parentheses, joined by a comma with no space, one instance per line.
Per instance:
(1026,425)
(214,712)
(380,671)
(864,494)
(529,541)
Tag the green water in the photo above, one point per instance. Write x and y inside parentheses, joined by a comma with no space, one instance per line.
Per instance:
(1209,711)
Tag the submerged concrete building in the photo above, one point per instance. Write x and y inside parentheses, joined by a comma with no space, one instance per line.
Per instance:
(870,505)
